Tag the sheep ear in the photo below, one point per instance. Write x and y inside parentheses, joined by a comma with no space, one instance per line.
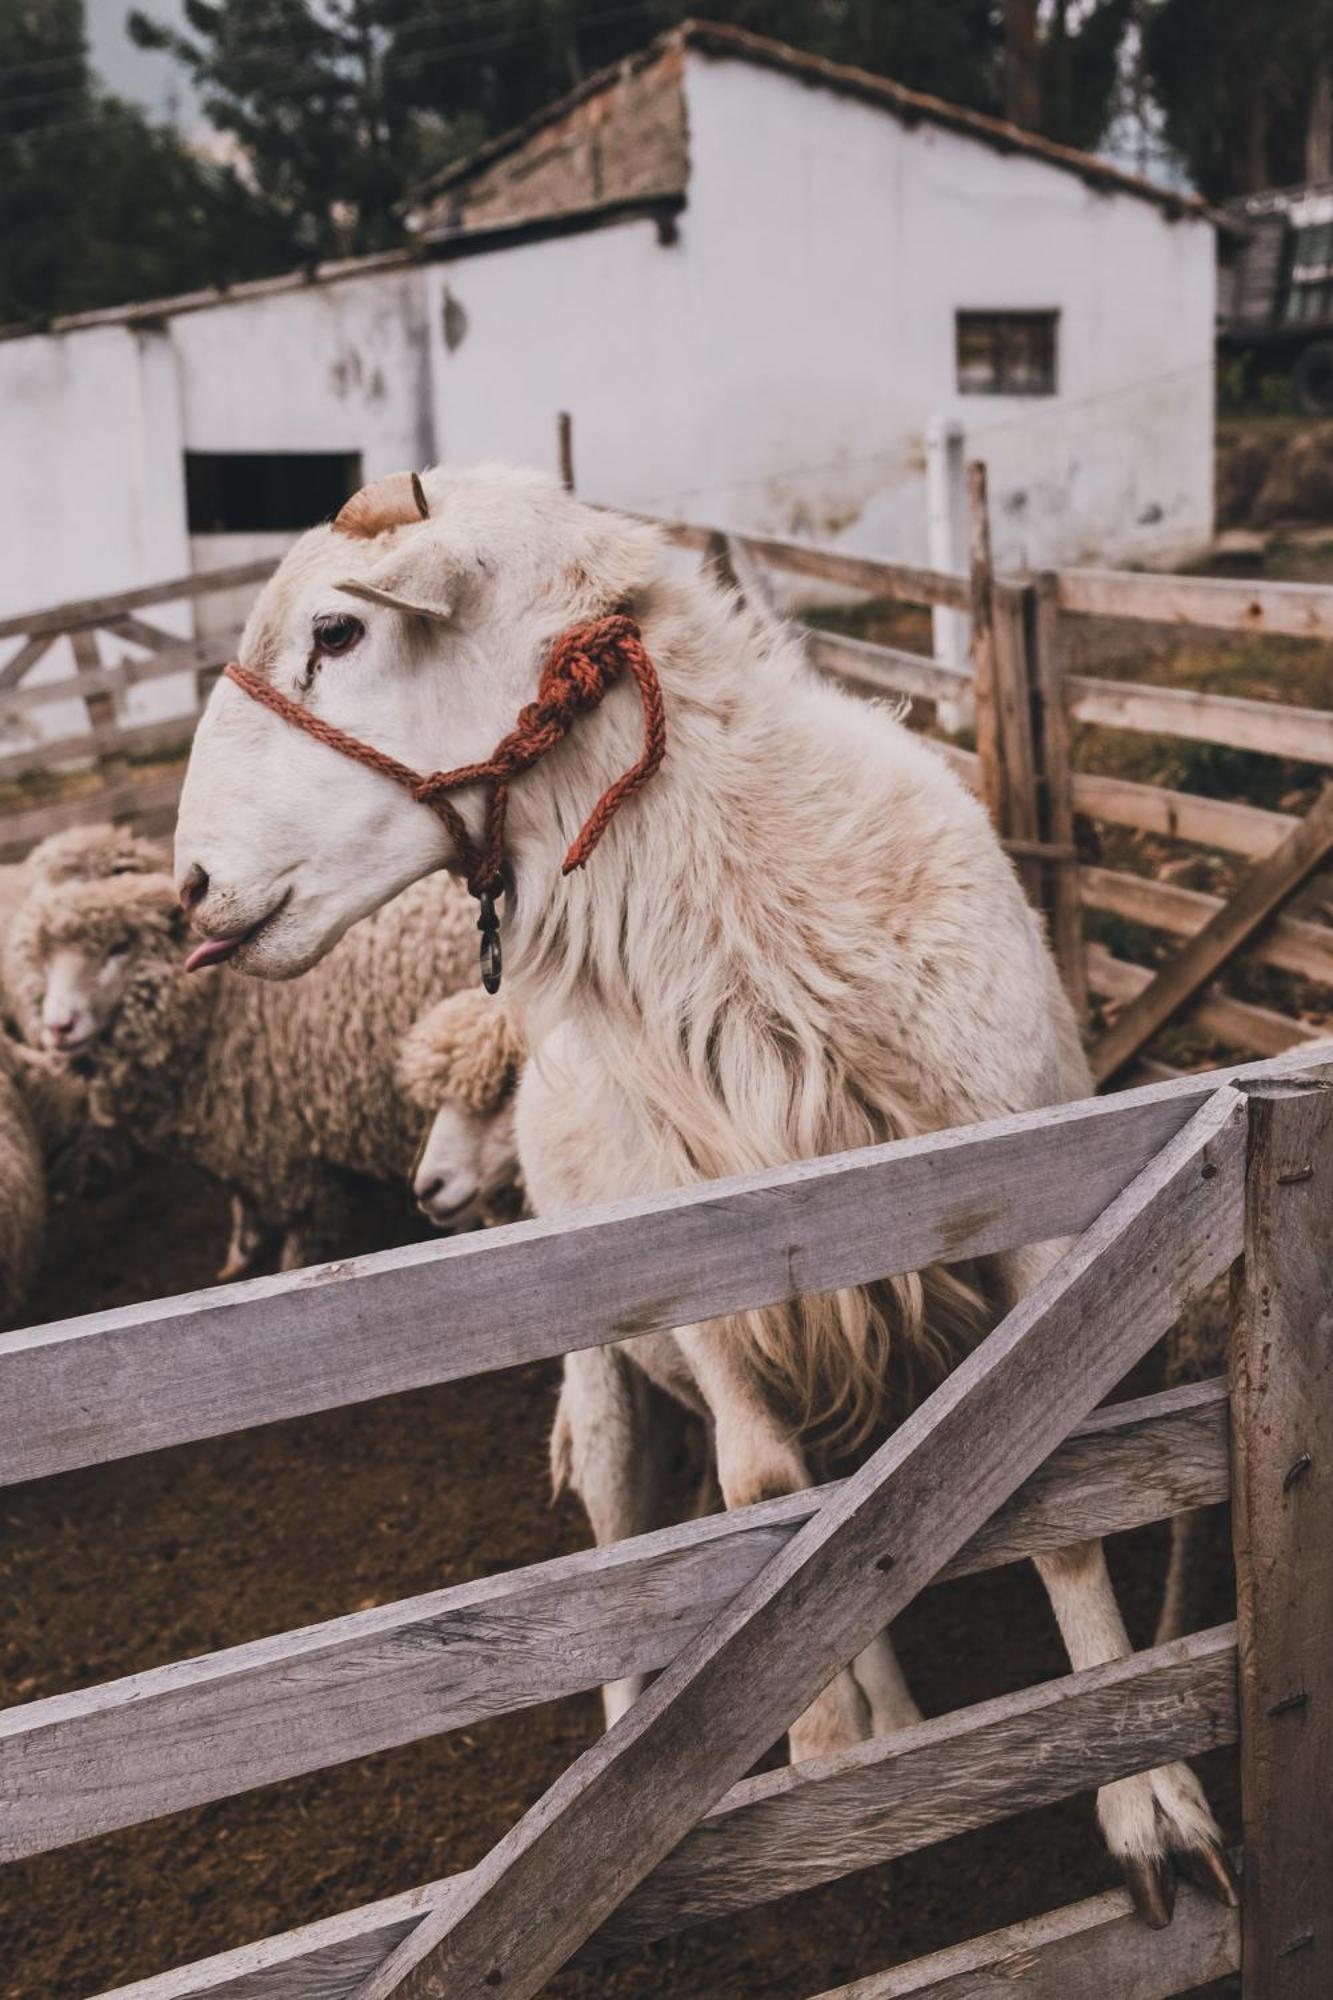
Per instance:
(419,577)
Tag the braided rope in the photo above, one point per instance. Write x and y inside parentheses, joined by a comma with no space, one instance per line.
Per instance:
(581,665)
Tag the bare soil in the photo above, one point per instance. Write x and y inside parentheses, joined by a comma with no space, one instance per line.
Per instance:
(126,1566)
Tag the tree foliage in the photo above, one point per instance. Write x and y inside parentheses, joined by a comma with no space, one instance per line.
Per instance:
(98,206)
(1238,84)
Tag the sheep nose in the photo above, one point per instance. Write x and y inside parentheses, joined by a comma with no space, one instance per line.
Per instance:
(426,1193)
(194,888)
(60,1031)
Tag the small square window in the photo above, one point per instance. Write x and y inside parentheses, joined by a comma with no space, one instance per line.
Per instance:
(266,492)
(1006,353)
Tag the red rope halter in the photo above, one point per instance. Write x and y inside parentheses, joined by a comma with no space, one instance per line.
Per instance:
(580,666)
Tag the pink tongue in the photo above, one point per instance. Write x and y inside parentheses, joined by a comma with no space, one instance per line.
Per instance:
(212,952)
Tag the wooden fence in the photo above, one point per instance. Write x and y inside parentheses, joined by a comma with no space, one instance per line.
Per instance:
(657,1827)
(142,651)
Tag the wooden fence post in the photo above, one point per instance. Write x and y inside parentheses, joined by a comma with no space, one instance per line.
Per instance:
(1022,826)
(565,431)
(100,708)
(1282,1514)
(982,577)
(1064,902)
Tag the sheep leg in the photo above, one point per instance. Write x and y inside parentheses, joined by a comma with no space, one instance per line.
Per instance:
(609,1445)
(246,1242)
(1157,1822)
(757,1459)
(1190,1536)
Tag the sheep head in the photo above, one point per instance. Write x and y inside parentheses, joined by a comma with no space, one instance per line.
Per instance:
(421,636)
(460,1065)
(92,944)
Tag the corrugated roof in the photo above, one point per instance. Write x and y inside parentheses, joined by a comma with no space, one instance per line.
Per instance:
(912,107)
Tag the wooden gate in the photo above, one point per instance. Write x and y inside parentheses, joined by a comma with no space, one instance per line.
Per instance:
(748,1614)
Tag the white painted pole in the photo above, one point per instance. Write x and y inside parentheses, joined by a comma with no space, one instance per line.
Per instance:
(946,531)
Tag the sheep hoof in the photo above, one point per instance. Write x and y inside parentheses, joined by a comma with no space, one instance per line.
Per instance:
(1209,1869)
(1152,1889)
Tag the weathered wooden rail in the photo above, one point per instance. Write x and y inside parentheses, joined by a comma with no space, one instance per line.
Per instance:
(746,1614)
(106,744)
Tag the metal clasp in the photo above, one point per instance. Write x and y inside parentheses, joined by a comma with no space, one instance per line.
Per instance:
(488,923)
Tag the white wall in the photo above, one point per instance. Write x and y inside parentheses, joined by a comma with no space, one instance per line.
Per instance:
(778,366)
(93,497)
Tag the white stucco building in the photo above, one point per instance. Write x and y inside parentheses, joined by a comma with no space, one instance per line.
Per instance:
(752,277)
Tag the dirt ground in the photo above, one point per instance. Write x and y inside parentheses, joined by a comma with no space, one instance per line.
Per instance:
(126,1566)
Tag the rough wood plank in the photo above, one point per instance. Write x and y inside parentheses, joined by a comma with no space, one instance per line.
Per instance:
(1013,703)
(136,1378)
(188,656)
(803,1825)
(902,582)
(133,800)
(1066,912)
(884,670)
(86,612)
(1263,890)
(81,1764)
(25,659)
(794,1828)
(1235,1022)
(1283,1530)
(1295,610)
(981,606)
(1276,728)
(623,1806)
(142,632)
(1098,1950)
(1236,829)
(174,731)
(1288,943)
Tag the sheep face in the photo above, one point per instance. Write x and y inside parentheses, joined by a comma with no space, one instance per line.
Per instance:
(94,943)
(424,639)
(468,1160)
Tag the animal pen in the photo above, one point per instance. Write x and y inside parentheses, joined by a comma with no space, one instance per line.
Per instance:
(1165,1188)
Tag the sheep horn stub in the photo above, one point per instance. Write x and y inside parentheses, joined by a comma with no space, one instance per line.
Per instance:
(395,501)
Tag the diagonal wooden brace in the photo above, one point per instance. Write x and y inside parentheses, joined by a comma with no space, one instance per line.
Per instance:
(575,1856)
(1265,888)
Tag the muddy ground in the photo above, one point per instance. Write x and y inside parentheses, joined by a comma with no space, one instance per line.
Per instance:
(126,1566)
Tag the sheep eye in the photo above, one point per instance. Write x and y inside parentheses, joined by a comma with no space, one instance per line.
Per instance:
(337,633)
(119,949)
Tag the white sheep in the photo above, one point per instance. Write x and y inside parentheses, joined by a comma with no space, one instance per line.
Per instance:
(800,936)
(460,1066)
(281,1092)
(22,1189)
(79,854)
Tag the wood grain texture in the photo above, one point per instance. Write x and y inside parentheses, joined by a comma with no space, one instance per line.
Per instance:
(133,799)
(188,655)
(1057,770)
(1018,749)
(577,1854)
(1278,728)
(86,612)
(1287,942)
(135,1378)
(1262,891)
(981,652)
(81,1764)
(97,743)
(1295,610)
(795,1828)
(1222,823)
(1238,1023)
(903,582)
(25,659)
(884,670)
(1098,1950)
(1283,1530)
